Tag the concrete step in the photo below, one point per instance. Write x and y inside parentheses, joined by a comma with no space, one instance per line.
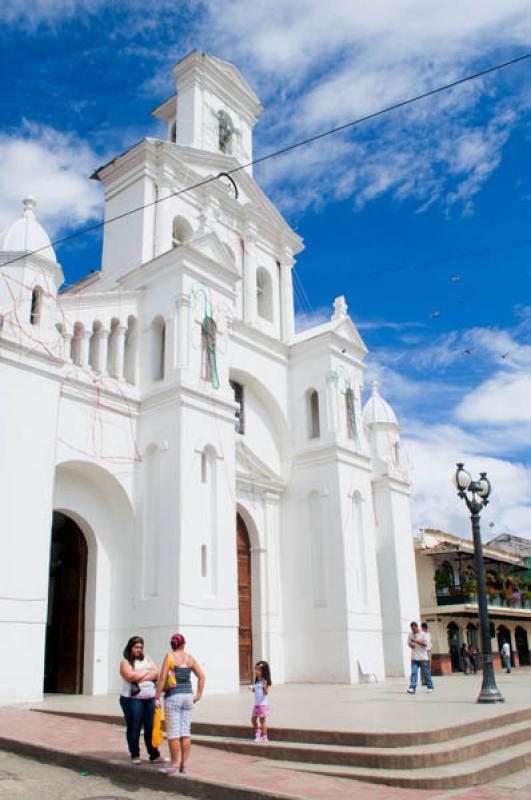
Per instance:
(473,772)
(326,737)
(416,756)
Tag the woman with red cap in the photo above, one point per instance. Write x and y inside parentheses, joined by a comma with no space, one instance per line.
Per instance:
(179,698)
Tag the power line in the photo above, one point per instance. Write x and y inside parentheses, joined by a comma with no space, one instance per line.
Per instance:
(281,151)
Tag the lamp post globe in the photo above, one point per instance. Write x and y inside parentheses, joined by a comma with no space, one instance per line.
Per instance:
(475,495)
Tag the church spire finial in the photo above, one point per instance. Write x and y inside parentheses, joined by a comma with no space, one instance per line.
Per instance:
(340,308)
(29,204)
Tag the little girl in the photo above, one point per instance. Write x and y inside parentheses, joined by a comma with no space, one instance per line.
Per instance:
(262,684)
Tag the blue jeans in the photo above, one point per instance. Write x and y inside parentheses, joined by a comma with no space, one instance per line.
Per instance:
(138,714)
(425,668)
(507,662)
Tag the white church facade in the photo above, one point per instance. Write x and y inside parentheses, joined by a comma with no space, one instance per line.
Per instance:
(174,456)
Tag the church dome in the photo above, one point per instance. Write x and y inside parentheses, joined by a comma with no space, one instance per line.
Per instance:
(26,235)
(377,410)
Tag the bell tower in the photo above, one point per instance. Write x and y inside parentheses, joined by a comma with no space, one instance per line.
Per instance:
(213,108)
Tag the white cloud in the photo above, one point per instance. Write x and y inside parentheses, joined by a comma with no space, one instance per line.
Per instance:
(55,168)
(318,69)
(504,399)
(434,453)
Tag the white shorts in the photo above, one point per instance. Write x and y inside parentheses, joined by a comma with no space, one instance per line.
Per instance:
(178,715)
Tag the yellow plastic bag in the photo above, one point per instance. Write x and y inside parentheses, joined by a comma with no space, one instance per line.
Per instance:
(157,736)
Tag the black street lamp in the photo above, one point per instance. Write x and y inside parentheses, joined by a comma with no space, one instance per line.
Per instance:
(476,494)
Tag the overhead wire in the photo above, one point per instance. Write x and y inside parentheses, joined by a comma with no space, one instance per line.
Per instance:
(283,150)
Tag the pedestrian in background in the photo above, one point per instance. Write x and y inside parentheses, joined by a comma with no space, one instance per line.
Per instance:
(506,655)
(418,644)
(473,657)
(425,630)
(464,657)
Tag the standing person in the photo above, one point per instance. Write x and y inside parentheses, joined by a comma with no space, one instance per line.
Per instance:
(419,658)
(464,658)
(429,644)
(262,684)
(179,698)
(506,655)
(137,698)
(473,657)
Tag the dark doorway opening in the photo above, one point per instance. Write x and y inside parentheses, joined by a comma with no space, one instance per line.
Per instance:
(245,629)
(522,646)
(504,635)
(65,626)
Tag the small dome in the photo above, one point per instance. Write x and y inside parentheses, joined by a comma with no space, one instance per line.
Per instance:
(377,411)
(26,235)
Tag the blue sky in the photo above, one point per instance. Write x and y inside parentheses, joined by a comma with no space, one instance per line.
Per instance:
(420,219)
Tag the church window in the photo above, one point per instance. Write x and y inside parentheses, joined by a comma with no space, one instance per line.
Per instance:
(314,426)
(203,467)
(204,560)
(130,351)
(208,341)
(158,348)
(173,131)
(225,132)
(36,306)
(264,294)
(237,388)
(397,453)
(350,408)
(181,231)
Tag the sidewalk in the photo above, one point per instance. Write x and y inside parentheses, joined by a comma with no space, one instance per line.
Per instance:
(373,708)
(99,748)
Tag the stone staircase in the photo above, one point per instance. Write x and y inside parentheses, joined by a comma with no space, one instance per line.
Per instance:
(465,755)
(445,758)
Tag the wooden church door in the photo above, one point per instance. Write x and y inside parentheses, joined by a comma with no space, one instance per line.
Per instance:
(245,629)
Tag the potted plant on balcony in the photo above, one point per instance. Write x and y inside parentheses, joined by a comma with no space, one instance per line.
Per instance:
(470,588)
(443,580)
(506,595)
(492,595)
(526,598)
(516,599)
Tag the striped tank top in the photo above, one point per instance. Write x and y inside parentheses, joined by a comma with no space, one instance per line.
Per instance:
(183,676)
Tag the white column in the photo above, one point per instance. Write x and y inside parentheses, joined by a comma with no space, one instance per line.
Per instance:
(103,349)
(182,330)
(331,401)
(249,276)
(67,344)
(84,348)
(163,221)
(118,366)
(271,582)
(287,311)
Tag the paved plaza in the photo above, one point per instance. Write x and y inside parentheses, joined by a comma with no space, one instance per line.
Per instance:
(98,748)
(373,707)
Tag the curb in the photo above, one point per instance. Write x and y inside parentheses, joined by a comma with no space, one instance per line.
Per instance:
(344,738)
(135,776)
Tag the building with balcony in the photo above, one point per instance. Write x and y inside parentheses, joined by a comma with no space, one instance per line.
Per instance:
(448,603)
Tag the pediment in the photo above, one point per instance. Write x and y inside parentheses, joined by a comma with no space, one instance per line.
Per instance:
(211,246)
(345,329)
(252,468)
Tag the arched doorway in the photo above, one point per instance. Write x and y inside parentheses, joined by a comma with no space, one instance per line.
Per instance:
(245,629)
(454,646)
(504,635)
(522,646)
(65,626)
